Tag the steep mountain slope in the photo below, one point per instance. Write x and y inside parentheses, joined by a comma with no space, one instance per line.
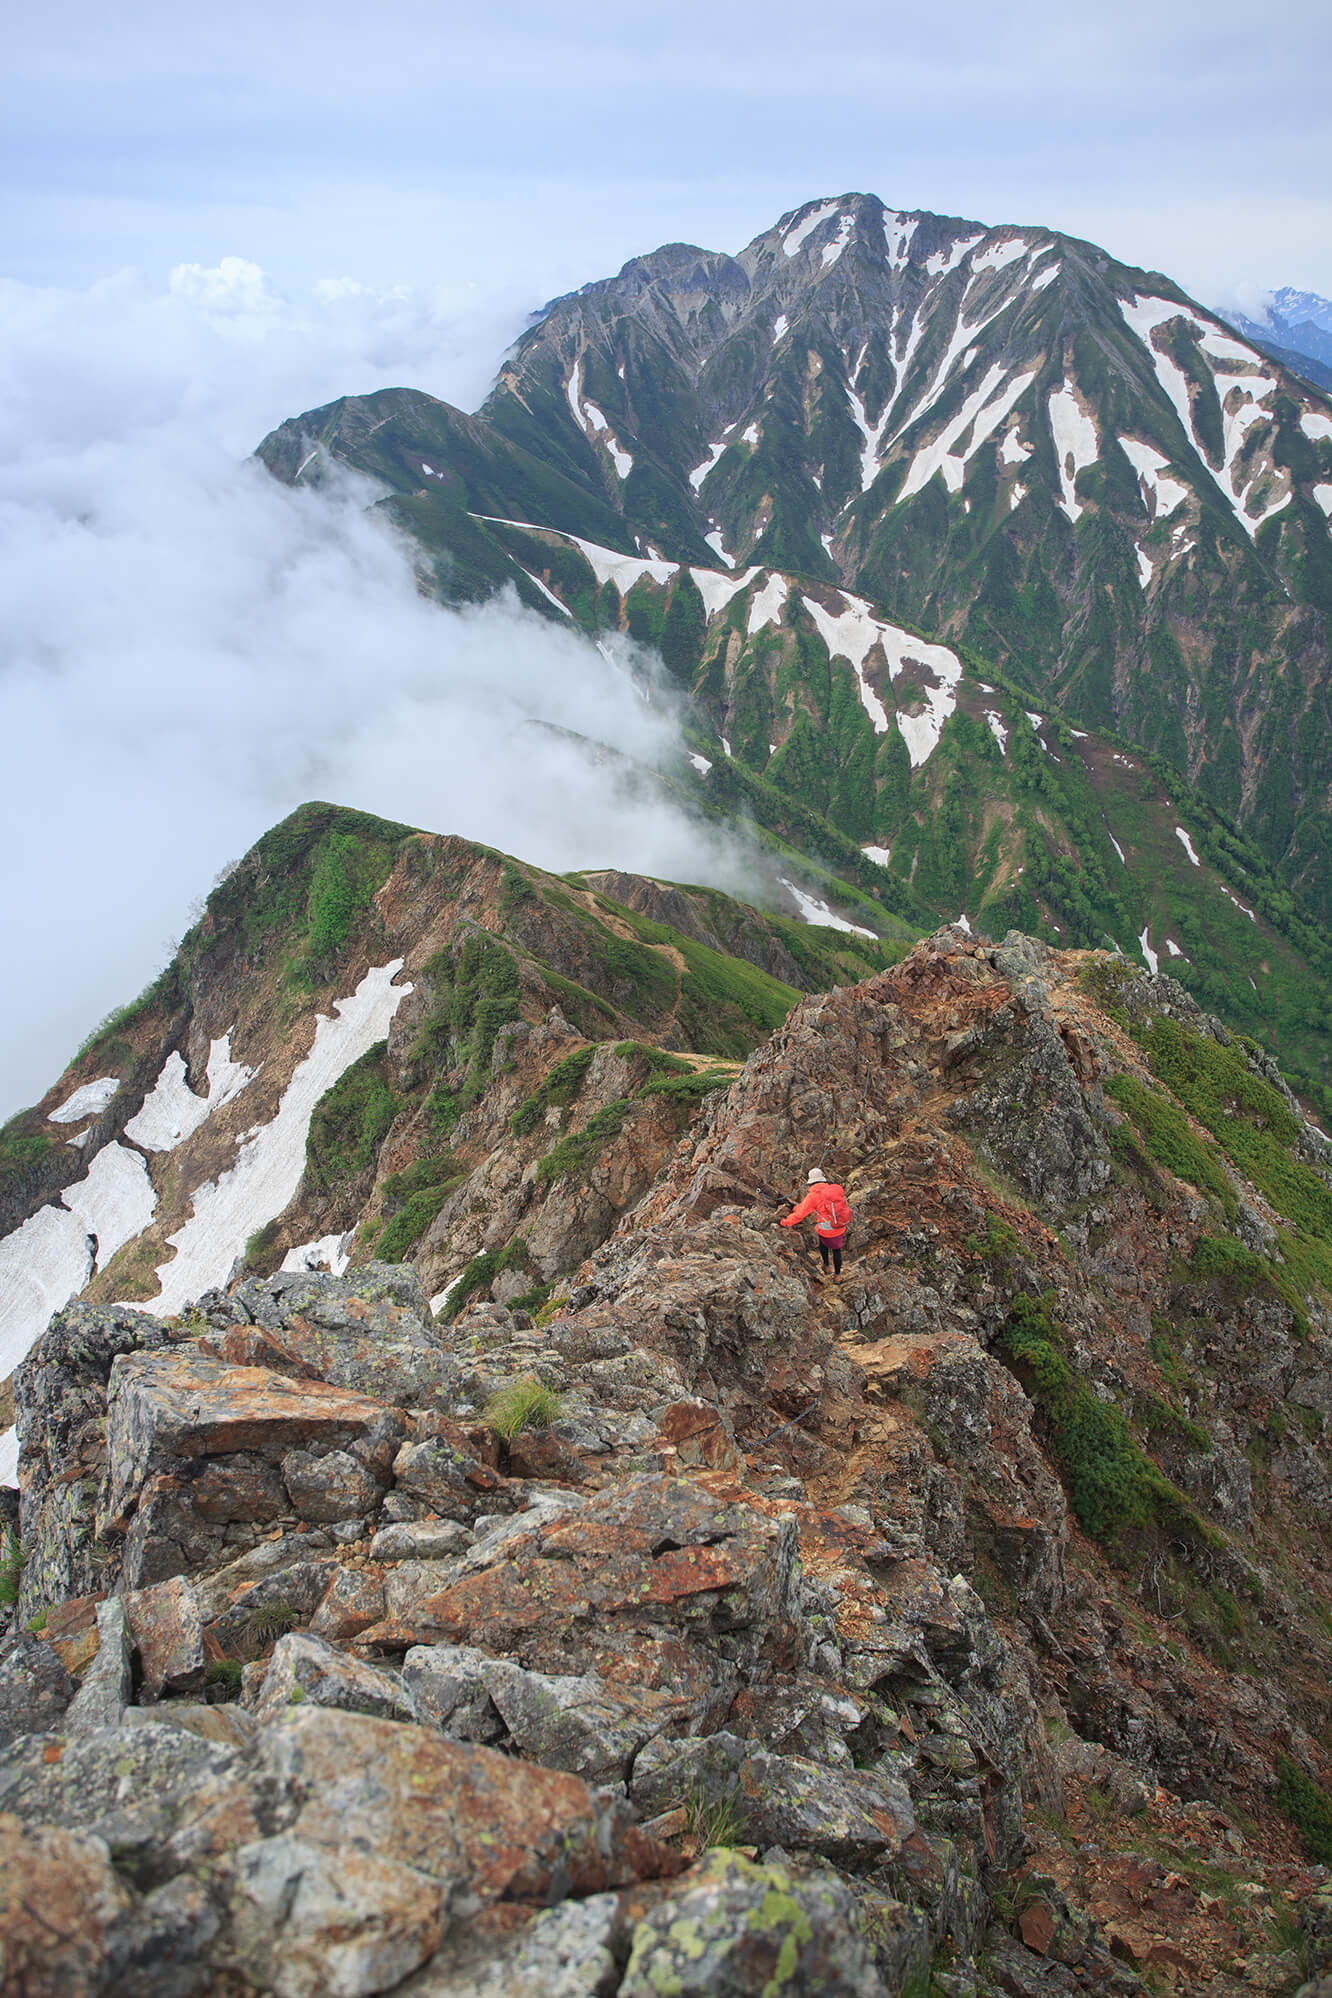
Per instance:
(1000,436)
(342,1001)
(940,793)
(975,1609)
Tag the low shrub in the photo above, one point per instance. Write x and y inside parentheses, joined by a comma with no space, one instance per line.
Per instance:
(412,1199)
(1308,1806)
(350,1122)
(11,1569)
(1166,1138)
(1113,1485)
(573,1155)
(482,1271)
(558,1086)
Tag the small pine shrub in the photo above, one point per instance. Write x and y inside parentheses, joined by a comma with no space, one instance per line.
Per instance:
(1113,1485)
(1308,1806)
(260,1246)
(559,1086)
(482,1271)
(524,1404)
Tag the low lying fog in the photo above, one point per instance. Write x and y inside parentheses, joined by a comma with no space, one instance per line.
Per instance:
(188,649)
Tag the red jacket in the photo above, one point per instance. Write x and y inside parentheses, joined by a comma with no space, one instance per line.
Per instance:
(820,1202)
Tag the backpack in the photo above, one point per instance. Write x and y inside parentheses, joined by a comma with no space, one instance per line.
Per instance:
(839,1208)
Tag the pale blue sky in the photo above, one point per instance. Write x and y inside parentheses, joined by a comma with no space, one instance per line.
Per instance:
(538,147)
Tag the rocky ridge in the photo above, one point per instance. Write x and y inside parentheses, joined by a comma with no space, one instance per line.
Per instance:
(962,1626)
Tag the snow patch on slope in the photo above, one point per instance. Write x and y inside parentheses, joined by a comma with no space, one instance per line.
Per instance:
(269,1162)
(947,260)
(1160,495)
(795,237)
(1149,955)
(767,605)
(88,1101)
(814,911)
(980,415)
(898,231)
(1075,443)
(832,251)
(1317,426)
(717,590)
(873,436)
(700,471)
(593,422)
(172,1112)
(852,634)
(1000,254)
(328,1253)
(1241,398)
(50,1257)
(546,591)
(1187,844)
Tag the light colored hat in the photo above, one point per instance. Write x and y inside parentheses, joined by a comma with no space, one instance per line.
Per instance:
(813,1176)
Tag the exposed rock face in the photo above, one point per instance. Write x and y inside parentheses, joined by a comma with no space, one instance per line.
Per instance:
(340,1688)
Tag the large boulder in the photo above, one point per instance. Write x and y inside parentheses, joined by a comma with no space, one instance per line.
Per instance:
(60,1394)
(734,1929)
(653,1581)
(370,1331)
(184,1421)
(35,1688)
(305,1668)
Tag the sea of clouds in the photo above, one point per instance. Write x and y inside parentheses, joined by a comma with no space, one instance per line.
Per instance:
(189,649)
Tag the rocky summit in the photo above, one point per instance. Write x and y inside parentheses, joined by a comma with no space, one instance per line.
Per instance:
(519,1568)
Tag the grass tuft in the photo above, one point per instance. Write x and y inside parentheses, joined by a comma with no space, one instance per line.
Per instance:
(712,1823)
(524,1404)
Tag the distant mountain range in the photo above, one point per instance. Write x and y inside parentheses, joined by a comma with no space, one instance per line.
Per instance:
(1297,332)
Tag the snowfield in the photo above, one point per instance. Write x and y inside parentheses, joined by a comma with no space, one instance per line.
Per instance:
(86,1102)
(814,911)
(269,1162)
(1075,443)
(172,1112)
(1160,495)
(53,1254)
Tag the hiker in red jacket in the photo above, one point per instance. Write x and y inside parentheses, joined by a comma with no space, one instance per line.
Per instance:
(832,1210)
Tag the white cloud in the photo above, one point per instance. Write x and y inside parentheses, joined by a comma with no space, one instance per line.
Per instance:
(189,649)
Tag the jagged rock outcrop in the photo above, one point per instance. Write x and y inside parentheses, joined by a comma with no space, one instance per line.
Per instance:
(932,1600)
